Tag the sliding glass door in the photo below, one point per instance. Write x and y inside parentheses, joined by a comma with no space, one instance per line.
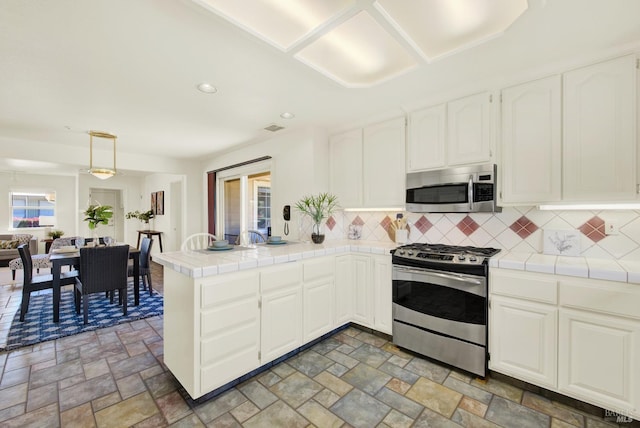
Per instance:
(243,203)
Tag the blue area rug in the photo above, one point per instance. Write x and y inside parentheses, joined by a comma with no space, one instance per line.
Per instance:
(38,325)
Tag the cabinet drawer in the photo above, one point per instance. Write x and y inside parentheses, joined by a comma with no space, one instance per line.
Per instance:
(531,286)
(318,268)
(608,297)
(217,290)
(280,276)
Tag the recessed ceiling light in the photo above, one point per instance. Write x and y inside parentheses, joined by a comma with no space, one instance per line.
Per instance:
(287,115)
(207,88)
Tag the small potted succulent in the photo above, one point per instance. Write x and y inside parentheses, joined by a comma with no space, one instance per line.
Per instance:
(318,207)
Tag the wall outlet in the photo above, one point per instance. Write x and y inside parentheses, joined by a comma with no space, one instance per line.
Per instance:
(611,228)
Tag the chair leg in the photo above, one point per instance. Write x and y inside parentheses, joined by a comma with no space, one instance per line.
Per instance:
(150,284)
(85,303)
(24,307)
(76,299)
(123,293)
(13,275)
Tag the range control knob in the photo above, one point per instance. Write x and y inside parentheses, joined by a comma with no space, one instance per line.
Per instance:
(410,253)
(461,257)
(473,259)
(401,251)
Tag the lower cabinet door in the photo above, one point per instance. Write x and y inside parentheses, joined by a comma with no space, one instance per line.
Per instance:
(281,316)
(383,300)
(318,308)
(522,340)
(599,357)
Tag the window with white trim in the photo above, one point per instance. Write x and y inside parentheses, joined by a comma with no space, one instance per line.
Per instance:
(32,209)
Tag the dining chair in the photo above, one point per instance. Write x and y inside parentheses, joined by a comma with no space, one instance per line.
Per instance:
(145,264)
(102,269)
(40,261)
(251,236)
(32,283)
(197,241)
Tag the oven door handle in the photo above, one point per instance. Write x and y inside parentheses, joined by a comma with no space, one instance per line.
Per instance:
(452,276)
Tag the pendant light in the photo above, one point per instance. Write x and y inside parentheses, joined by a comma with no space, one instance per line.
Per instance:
(101,173)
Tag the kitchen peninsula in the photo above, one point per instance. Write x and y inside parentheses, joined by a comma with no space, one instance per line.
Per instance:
(229,313)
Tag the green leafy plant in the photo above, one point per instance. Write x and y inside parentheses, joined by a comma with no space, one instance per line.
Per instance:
(144,216)
(318,207)
(98,214)
(55,234)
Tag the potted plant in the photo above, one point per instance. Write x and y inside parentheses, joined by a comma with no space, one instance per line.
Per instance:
(318,207)
(55,234)
(98,214)
(143,216)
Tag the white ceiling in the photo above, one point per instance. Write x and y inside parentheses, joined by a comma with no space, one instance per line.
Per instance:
(131,67)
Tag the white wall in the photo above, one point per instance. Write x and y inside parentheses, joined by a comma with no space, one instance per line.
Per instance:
(299,166)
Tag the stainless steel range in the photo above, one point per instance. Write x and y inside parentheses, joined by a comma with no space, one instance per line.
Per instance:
(440,303)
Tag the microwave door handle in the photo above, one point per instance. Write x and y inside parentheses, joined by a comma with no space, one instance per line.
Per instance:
(470,193)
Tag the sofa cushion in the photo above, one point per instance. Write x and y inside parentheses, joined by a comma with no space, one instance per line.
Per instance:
(9,244)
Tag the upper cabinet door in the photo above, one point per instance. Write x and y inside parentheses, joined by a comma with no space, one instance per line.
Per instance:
(427,139)
(469,129)
(384,164)
(531,141)
(345,163)
(599,146)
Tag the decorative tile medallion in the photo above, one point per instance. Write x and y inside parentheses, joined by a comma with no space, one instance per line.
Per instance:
(358,221)
(423,224)
(468,225)
(386,221)
(594,229)
(523,227)
(331,223)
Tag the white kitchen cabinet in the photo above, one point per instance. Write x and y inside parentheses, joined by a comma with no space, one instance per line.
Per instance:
(364,294)
(383,294)
(469,129)
(344,291)
(600,343)
(281,310)
(384,163)
(367,166)
(426,148)
(576,336)
(532,141)
(599,137)
(318,297)
(229,328)
(523,326)
(345,168)
(523,340)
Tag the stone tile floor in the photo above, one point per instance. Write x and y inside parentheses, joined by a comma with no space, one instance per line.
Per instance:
(115,377)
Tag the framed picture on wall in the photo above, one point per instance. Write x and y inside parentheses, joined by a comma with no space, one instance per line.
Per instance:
(153,203)
(159,204)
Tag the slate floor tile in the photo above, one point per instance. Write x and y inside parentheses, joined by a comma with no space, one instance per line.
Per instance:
(128,412)
(468,390)
(427,369)
(468,419)
(399,402)
(319,416)
(84,392)
(277,415)
(507,413)
(258,394)
(434,396)
(296,389)
(212,409)
(310,363)
(366,378)
(541,404)
(370,355)
(396,419)
(360,410)
(78,417)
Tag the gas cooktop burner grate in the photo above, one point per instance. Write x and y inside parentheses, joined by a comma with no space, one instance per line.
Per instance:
(451,249)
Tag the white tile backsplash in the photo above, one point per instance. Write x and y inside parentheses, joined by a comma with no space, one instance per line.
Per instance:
(495,231)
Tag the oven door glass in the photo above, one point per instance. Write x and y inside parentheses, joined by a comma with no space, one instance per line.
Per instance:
(447,296)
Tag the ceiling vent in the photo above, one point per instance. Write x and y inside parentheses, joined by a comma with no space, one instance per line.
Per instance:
(274,128)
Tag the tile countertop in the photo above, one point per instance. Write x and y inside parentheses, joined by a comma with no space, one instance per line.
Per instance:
(606,269)
(201,263)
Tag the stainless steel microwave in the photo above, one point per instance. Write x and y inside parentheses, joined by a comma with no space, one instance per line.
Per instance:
(453,190)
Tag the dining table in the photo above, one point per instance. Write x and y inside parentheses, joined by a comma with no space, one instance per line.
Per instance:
(72,258)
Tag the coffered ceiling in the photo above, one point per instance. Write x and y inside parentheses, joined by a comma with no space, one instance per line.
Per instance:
(132,67)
